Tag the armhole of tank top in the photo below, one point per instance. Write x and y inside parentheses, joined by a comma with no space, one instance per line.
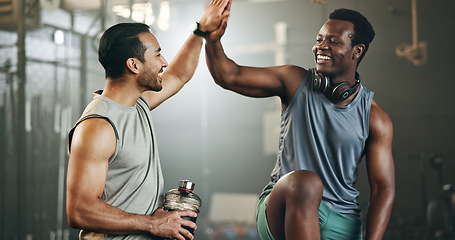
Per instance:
(369,101)
(96,116)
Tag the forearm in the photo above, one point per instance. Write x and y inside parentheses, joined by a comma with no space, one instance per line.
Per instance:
(100,217)
(379,210)
(185,62)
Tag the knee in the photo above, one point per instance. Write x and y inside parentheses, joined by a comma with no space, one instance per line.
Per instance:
(302,184)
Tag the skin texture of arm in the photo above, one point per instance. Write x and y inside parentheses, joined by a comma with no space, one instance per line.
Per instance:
(279,81)
(381,172)
(184,64)
(94,142)
(92,145)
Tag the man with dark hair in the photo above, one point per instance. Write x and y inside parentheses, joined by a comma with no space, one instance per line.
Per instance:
(363,31)
(329,121)
(119,43)
(114,179)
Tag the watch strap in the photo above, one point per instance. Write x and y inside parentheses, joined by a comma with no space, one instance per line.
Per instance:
(198,31)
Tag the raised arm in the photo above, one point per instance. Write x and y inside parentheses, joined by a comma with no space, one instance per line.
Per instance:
(92,145)
(279,81)
(182,67)
(381,172)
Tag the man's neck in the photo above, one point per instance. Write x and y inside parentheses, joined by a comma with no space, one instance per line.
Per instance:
(121,91)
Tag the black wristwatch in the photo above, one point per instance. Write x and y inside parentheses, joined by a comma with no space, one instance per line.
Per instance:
(195,29)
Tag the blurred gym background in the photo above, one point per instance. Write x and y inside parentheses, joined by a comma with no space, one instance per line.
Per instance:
(224,142)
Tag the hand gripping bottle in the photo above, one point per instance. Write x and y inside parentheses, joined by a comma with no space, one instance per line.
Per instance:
(183,198)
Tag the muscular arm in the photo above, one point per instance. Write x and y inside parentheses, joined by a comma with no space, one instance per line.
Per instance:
(179,72)
(184,64)
(279,81)
(381,172)
(93,143)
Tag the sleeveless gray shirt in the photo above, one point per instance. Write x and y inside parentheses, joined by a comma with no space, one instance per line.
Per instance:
(327,139)
(134,180)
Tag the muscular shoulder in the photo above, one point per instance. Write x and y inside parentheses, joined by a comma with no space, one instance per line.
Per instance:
(292,76)
(94,136)
(380,122)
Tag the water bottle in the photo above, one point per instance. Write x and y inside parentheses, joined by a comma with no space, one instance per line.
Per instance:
(183,198)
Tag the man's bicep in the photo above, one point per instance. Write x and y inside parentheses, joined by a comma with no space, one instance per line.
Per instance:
(380,163)
(261,82)
(93,143)
(380,166)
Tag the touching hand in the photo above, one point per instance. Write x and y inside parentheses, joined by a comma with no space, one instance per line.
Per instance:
(217,34)
(216,13)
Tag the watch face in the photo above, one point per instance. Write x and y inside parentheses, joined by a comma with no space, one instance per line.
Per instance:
(195,29)
(193,26)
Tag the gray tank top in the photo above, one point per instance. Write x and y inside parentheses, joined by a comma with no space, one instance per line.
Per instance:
(134,180)
(327,139)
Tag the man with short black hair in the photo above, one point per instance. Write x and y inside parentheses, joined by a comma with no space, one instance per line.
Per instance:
(329,121)
(114,179)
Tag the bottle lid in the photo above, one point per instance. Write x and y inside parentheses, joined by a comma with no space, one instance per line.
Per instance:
(186,184)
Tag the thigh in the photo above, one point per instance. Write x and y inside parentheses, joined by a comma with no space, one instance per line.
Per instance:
(335,226)
(296,195)
(261,218)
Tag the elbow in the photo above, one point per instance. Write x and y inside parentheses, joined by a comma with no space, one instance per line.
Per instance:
(224,73)
(384,192)
(74,218)
(226,79)
(74,222)
(222,82)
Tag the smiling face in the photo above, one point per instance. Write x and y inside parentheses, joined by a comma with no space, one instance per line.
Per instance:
(333,50)
(149,77)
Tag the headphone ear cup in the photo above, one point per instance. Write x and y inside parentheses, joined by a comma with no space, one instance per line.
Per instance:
(320,82)
(342,91)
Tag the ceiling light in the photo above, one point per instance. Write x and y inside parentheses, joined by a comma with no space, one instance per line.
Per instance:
(59,37)
(141,12)
(164,17)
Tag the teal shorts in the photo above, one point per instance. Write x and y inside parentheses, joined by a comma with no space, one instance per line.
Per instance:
(333,224)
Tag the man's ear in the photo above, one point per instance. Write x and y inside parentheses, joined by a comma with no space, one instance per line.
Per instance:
(133,65)
(358,50)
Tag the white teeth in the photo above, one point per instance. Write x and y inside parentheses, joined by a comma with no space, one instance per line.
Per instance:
(159,75)
(322,57)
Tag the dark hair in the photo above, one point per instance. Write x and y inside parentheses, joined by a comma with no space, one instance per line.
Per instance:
(363,31)
(119,43)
